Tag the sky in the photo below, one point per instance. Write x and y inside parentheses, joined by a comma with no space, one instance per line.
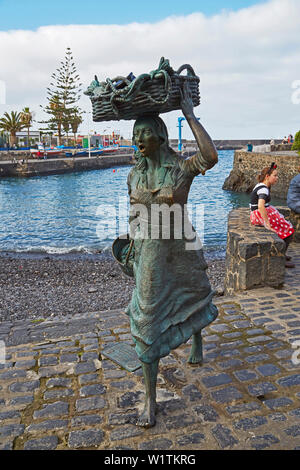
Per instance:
(246,54)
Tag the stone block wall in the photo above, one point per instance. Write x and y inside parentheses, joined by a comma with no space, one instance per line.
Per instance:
(255,257)
(247,165)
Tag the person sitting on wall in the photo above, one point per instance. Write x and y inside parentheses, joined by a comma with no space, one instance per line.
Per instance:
(284,140)
(263,214)
(249,147)
(293,196)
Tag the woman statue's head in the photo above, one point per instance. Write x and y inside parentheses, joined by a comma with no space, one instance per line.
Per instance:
(150,135)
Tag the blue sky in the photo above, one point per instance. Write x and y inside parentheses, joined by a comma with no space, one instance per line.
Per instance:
(30,14)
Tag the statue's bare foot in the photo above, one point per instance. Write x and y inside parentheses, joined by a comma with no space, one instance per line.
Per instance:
(196,355)
(147,418)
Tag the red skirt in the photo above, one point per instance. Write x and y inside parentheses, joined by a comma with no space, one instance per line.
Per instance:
(283,228)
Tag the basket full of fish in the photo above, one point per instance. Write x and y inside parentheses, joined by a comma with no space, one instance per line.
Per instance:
(129,97)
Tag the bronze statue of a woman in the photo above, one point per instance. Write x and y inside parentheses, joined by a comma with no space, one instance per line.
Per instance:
(172,300)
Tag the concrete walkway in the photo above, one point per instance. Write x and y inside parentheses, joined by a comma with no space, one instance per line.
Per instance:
(58,392)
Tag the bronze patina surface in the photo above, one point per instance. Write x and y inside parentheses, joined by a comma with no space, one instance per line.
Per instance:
(124,355)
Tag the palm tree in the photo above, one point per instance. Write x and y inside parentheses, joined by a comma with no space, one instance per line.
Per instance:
(75,121)
(12,123)
(27,119)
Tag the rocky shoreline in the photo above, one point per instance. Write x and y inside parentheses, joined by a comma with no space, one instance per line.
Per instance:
(44,286)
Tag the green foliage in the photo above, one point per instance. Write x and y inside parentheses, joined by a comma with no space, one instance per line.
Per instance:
(62,95)
(296,144)
(12,123)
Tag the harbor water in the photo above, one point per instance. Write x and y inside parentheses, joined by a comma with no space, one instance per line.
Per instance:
(84,212)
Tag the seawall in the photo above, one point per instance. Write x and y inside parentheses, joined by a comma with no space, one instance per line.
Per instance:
(62,165)
(247,165)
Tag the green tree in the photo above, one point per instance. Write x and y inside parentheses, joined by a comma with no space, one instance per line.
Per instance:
(75,120)
(62,95)
(296,144)
(26,117)
(12,123)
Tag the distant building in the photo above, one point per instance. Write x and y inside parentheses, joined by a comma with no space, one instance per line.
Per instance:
(22,137)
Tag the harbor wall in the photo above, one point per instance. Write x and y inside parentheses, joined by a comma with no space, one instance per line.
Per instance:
(62,165)
(247,165)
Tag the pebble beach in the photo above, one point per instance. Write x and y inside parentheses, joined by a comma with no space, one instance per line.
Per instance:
(39,286)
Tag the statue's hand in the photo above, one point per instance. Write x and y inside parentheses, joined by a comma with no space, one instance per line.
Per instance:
(186,100)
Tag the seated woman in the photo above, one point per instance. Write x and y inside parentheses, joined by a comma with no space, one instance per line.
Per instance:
(262,213)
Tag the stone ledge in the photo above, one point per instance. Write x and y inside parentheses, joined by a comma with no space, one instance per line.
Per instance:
(254,255)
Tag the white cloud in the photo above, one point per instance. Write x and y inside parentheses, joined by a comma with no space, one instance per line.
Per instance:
(247,61)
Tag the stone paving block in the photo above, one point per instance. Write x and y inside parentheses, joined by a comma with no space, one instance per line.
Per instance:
(25,364)
(19,387)
(21,401)
(268,369)
(129,399)
(276,416)
(129,417)
(264,441)
(179,421)
(59,408)
(257,358)
(224,436)
(192,392)
(260,389)
(91,403)
(48,361)
(58,393)
(290,381)
(13,374)
(87,420)
(88,378)
(96,389)
(245,375)
(226,395)
(206,412)
(243,407)
(124,432)
(156,444)
(231,363)
(86,438)
(11,430)
(10,415)
(293,431)
(123,384)
(84,367)
(45,443)
(188,439)
(278,402)
(250,423)
(59,382)
(69,358)
(259,339)
(216,380)
(50,425)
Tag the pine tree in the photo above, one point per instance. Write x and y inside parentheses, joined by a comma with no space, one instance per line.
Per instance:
(62,95)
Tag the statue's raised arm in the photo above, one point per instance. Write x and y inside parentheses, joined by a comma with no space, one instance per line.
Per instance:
(208,156)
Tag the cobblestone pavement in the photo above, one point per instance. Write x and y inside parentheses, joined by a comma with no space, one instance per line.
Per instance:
(58,392)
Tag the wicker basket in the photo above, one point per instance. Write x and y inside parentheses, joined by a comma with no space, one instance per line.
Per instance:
(154,93)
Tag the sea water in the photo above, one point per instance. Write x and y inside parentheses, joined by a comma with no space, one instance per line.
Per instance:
(85,211)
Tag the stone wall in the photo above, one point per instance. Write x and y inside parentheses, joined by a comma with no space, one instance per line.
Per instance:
(63,165)
(255,256)
(247,165)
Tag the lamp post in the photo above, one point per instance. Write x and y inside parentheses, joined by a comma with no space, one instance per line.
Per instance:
(180,119)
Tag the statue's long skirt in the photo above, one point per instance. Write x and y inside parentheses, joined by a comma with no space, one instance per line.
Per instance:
(172,299)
